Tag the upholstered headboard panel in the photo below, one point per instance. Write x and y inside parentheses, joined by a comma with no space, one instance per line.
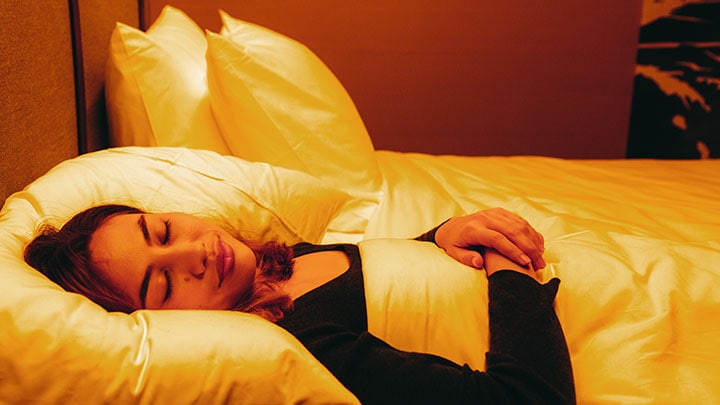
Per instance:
(47,115)
(37,119)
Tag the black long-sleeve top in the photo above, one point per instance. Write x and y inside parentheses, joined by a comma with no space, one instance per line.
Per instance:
(527,362)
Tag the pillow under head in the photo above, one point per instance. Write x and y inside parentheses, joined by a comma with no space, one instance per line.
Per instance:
(59,347)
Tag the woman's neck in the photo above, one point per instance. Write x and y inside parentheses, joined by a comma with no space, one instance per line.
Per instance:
(312,270)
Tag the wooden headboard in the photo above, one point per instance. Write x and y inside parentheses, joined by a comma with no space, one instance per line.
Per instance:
(53,68)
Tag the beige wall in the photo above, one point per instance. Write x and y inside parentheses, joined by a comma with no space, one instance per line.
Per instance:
(468,77)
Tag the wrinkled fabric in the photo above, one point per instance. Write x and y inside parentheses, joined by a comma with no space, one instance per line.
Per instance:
(636,244)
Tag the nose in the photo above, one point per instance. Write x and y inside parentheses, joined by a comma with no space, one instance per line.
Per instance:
(186,256)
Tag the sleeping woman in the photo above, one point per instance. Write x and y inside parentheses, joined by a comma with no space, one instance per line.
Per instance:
(125,259)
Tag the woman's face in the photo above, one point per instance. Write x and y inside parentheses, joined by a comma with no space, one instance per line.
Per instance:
(173,261)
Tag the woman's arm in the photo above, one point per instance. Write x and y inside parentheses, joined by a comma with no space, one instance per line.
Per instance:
(524,328)
(528,360)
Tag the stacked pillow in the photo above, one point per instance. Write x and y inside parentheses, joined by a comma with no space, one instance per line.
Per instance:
(249,92)
(277,102)
(156,86)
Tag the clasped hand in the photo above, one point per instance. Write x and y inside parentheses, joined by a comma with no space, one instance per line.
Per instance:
(494,228)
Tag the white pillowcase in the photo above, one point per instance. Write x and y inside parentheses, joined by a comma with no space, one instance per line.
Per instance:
(156,86)
(276,101)
(272,99)
(59,347)
(262,201)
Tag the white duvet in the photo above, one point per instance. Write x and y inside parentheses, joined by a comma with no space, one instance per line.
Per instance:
(636,244)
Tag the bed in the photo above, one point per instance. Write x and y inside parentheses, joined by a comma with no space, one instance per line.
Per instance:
(262,135)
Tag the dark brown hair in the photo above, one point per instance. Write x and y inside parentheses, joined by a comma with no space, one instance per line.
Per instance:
(63,256)
(265,299)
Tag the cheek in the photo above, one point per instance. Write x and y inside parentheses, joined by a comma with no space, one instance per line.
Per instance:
(197,295)
(120,276)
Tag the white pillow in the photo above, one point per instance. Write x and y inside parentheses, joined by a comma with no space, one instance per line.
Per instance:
(276,101)
(156,86)
(262,201)
(59,347)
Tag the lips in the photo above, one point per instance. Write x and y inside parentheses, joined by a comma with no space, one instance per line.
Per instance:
(224,260)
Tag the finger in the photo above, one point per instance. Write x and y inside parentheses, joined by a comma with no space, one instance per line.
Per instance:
(524,237)
(502,220)
(527,235)
(468,257)
(507,248)
(531,244)
(523,224)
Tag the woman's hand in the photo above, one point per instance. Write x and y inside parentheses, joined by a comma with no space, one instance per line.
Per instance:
(494,228)
(495,261)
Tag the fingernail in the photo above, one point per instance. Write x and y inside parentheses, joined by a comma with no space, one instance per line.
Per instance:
(525,259)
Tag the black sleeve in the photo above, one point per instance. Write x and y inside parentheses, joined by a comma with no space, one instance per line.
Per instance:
(528,360)
(429,236)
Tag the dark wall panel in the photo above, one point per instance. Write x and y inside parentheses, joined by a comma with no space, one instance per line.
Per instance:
(468,77)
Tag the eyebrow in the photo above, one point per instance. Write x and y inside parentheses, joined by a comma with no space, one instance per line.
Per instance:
(146,279)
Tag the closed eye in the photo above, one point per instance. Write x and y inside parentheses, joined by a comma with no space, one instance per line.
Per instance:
(168,283)
(166,238)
